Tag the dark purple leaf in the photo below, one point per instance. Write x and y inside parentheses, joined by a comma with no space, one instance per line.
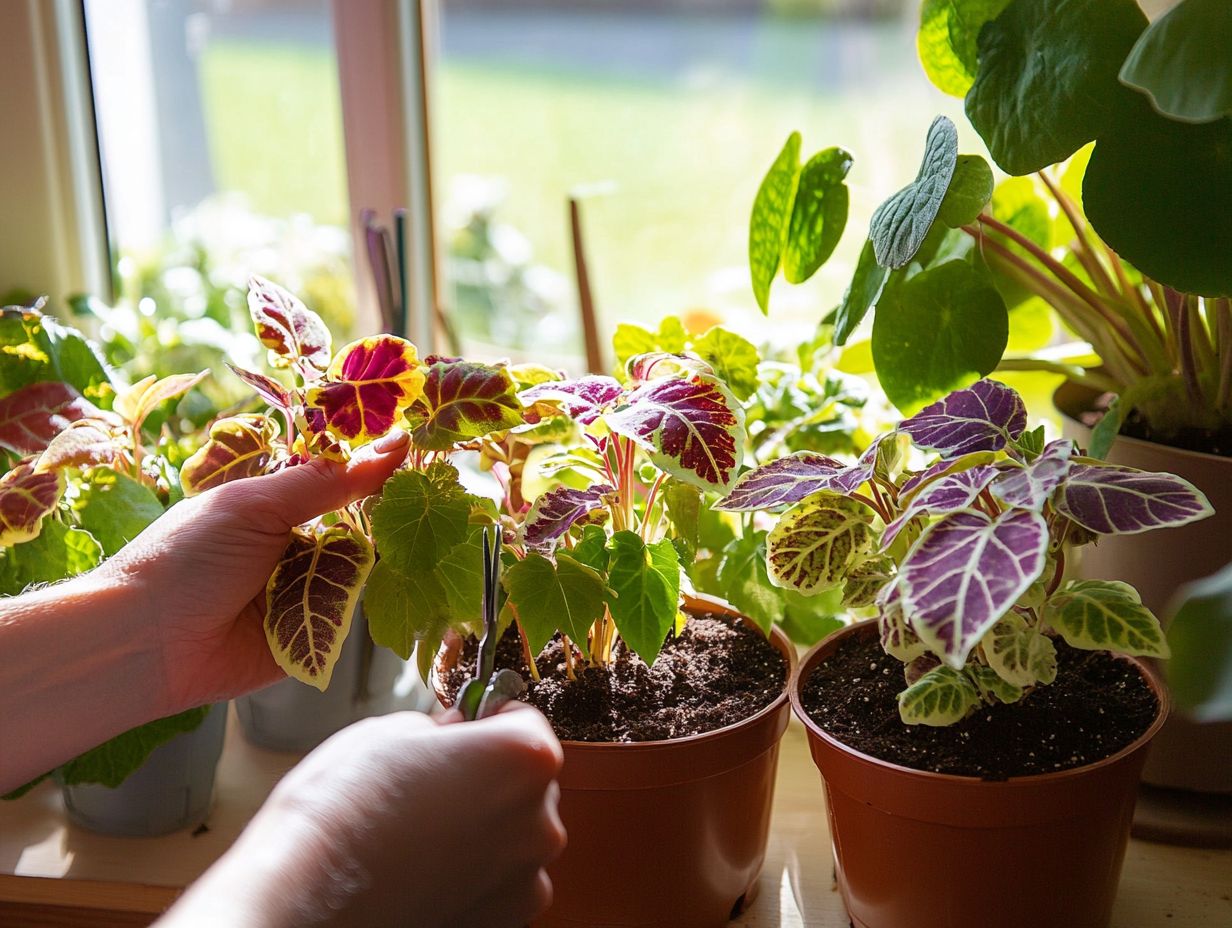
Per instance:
(584,399)
(985,416)
(556,511)
(947,494)
(1030,487)
(783,482)
(267,388)
(693,428)
(1112,500)
(965,572)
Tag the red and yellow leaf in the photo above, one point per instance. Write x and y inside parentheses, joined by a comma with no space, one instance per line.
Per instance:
(311,597)
(32,416)
(293,333)
(463,400)
(267,388)
(85,443)
(240,446)
(370,384)
(136,403)
(26,498)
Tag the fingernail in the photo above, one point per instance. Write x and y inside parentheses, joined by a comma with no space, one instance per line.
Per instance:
(391,442)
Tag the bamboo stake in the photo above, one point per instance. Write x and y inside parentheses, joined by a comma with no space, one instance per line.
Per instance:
(586,300)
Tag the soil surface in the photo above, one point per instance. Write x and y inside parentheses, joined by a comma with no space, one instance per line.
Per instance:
(1207,441)
(716,673)
(1098,705)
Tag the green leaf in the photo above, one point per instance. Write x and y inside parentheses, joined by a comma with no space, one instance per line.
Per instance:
(862,295)
(1182,63)
(406,607)
(818,216)
(733,358)
(630,340)
(591,550)
(111,763)
(991,686)
(772,209)
(1107,615)
(1047,79)
(35,347)
(421,516)
(941,330)
(115,508)
(646,581)
(460,573)
(1159,193)
(865,581)
(59,552)
(1200,671)
(814,545)
(1018,653)
(947,38)
(1107,429)
(900,224)
(969,192)
(745,583)
(810,618)
(684,509)
(567,595)
(941,697)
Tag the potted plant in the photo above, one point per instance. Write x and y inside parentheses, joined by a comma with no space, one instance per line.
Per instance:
(79,483)
(1101,234)
(670,705)
(996,785)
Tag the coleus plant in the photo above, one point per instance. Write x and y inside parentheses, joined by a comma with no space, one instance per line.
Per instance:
(1107,241)
(963,559)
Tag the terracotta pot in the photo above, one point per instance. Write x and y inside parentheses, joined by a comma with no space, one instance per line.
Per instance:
(930,850)
(671,833)
(1187,755)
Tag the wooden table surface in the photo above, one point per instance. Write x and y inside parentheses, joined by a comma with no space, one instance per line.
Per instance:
(53,874)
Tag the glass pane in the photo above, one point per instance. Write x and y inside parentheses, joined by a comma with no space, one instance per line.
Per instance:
(221,138)
(664,117)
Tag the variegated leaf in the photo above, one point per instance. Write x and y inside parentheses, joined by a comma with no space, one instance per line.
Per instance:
(370,383)
(26,498)
(940,697)
(947,494)
(692,427)
(86,443)
(267,388)
(294,334)
(1113,500)
(991,686)
(784,482)
(985,416)
(558,510)
(865,581)
(33,415)
(897,637)
(238,447)
(1032,485)
(463,400)
(136,403)
(814,546)
(965,572)
(311,598)
(1101,615)
(655,364)
(915,482)
(583,400)
(1019,653)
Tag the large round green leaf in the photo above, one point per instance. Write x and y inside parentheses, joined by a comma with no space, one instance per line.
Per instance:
(937,331)
(947,40)
(1183,62)
(1047,80)
(969,192)
(1159,192)
(818,216)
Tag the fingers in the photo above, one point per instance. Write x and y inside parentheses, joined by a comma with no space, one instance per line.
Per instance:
(297,494)
(528,736)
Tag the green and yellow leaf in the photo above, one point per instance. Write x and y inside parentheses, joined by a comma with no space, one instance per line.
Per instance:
(1108,615)
(1019,653)
(813,546)
(941,697)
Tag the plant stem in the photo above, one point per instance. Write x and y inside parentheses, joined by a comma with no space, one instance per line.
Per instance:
(651,498)
(1223,316)
(1082,246)
(1176,309)
(1087,378)
(569,672)
(526,655)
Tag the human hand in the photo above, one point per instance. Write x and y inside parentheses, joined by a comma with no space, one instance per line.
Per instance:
(200,570)
(399,821)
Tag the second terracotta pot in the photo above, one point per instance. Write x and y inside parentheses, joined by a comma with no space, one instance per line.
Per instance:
(930,850)
(667,834)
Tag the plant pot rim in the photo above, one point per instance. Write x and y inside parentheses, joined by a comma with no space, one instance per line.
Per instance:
(1071,396)
(699,602)
(1022,782)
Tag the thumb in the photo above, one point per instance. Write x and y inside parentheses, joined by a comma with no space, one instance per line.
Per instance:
(297,494)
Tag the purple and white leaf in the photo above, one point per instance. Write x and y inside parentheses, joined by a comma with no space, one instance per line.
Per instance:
(985,416)
(558,510)
(583,400)
(947,494)
(938,469)
(1112,500)
(1031,486)
(965,572)
(783,482)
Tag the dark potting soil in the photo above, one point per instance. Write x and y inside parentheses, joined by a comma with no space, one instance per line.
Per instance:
(1097,705)
(715,673)
(1207,441)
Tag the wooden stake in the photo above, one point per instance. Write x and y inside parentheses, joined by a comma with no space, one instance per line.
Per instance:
(586,300)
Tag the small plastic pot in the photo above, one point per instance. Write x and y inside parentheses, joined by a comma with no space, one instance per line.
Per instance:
(172,789)
(666,833)
(367,681)
(933,850)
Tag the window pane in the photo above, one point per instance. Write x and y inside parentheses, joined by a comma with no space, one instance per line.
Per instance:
(665,116)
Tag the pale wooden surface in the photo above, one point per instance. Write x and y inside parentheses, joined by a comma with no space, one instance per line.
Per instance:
(43,860)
